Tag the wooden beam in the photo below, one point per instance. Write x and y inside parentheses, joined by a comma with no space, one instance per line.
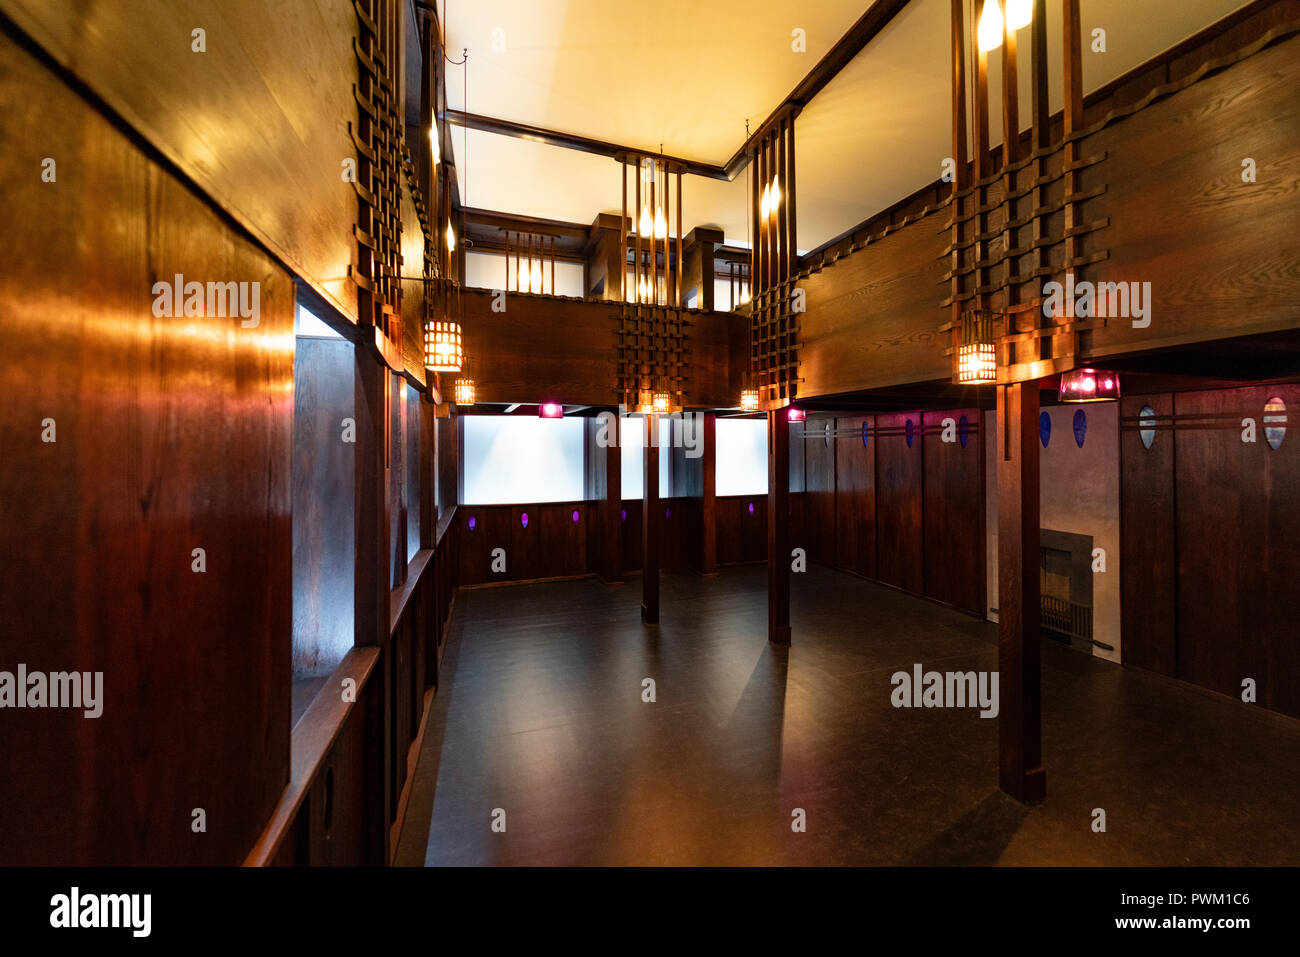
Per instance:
(611,507)
(778,527)
(650,524)
(1020,770)
(573,141)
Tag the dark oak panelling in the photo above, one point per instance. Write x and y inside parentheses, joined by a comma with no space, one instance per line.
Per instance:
(1148,570)
(269,152)
(742,533)
(954,511)
(1238,515)
(172,434)
(873,316)
(855,500)
(819,488)
(899,477)
(552,348)
(1173,182)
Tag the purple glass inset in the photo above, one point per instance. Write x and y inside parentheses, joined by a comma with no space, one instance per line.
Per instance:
(668,513)
(523,520)
(472,522)
(751,508)
(622,515)
(575,516)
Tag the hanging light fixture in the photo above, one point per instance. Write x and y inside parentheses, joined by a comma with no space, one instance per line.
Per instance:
(749,400)
(990,28)
(1088,385)
(463,391)
(977,362)
(1019,14)
(662,403)
(443,348)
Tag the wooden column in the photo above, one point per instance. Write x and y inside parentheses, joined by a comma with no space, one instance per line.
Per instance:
(778,527)
(611,508)
(1020,770)
(650,525)
(709,496)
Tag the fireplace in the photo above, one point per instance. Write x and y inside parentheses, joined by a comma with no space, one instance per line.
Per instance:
(1065,583)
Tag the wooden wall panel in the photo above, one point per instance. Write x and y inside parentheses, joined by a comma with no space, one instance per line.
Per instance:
(873,316)
(545,347)
(954,510)
(742,535)
(855,500)
(1238,521)
(819,489)
(171,434)
(1235,272)
(1148,566)
(257,121)
(899,478)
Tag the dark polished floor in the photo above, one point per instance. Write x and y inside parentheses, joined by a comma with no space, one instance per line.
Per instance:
(541,714)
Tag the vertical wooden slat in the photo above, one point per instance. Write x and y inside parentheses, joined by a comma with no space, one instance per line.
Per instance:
(709,496)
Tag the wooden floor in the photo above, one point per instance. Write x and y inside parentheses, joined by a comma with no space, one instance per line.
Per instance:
(540,714)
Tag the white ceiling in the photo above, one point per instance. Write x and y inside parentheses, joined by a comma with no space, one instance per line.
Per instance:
(613,71)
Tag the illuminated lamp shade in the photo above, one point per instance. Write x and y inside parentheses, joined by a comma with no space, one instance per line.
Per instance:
(1019,14)
(443,349)
(463,391)
(550,410)
(796,415)
(1088,385)
(990,28)
(977,363)
(977,357)
(749,400)
(662,403)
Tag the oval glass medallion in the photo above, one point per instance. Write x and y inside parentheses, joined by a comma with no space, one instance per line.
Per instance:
(1147,426)
(1274,421)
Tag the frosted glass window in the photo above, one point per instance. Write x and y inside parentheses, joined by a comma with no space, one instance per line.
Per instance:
(516,460)
(741,457)
(632,445)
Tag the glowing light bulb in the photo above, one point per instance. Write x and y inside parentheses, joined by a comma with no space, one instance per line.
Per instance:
(535,278)
(990,28)
(765,204)
(775,199)
(451,239)
(646,226)
(433,141)
(1019,13)
(661,225)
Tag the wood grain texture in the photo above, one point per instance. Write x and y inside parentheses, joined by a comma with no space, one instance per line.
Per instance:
(172,434)
(1148,557)
(855,499)
(1238,518)
(1173,176)
(269,152)
(900,559)
(954,511)
(820,527)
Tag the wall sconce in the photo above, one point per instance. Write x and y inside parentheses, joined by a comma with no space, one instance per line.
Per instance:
(1088,385)
(463,391)
(796,415)
(550,410)
(749,400)
(977,360)
(443,349)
